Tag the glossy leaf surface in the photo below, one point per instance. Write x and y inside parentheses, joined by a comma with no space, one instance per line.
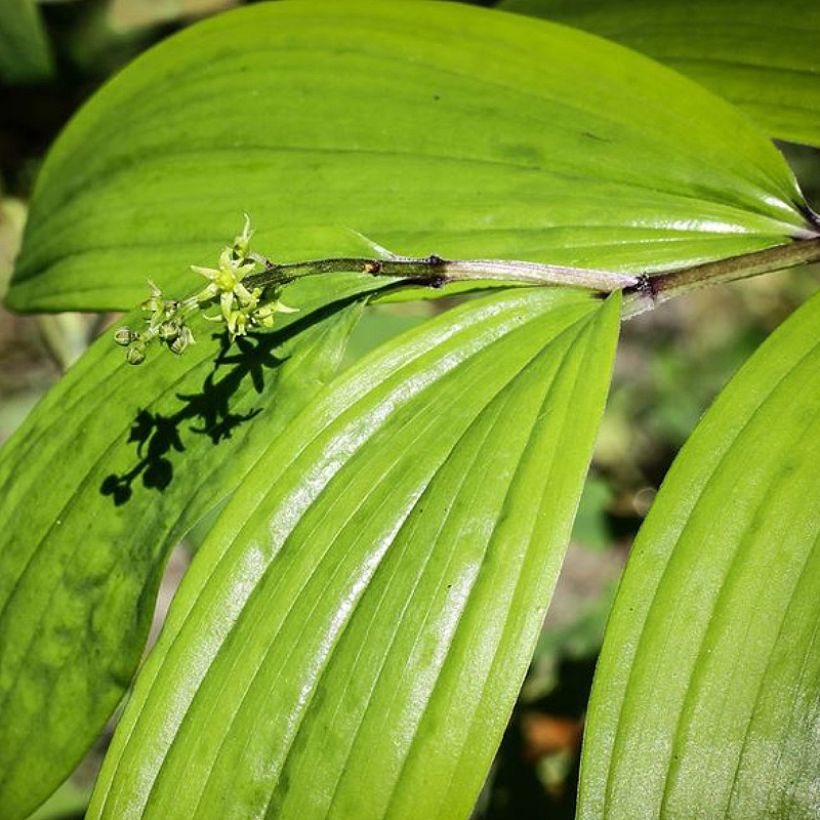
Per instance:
(707,695)
(762,56)
(428,127)
(103,478)
(351,638)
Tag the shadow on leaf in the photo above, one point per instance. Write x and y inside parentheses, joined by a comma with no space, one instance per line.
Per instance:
(210,412)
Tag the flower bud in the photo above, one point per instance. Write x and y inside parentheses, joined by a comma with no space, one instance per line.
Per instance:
(135,353)
(168,331)
(124,336)
(182,341)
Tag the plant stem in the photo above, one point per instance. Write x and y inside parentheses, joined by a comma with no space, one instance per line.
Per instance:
(642,292)
(654,289)
(437,272)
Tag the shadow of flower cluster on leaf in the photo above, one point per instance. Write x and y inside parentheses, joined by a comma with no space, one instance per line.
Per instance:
(212,410)
(157,436)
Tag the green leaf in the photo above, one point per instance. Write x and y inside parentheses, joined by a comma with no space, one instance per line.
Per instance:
(428,127)
(25,55)
(707,693)
(106,474)
(761,55)
(350,639)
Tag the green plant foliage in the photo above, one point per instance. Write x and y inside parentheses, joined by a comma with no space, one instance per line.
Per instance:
(351,637)
(706,696)
(25,55)
(354,629)
(764,57)
(103,478)
(429,127)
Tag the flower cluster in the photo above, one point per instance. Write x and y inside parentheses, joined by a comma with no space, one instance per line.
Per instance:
(240,308)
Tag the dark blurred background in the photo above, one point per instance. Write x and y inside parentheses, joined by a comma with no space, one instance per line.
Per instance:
(670,365)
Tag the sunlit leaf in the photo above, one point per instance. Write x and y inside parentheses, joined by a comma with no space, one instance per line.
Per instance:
(351,638)
(428,127)
(763,56)
(707,695)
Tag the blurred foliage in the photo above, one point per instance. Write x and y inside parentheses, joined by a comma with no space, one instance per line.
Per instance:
(671,364)
(25,55)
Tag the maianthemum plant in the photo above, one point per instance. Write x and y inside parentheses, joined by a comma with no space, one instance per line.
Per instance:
(350,638)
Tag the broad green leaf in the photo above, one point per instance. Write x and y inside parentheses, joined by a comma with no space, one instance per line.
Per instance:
(761,55)
(428,127)
(103,478)
(707,694)
(25,55)
(350,639)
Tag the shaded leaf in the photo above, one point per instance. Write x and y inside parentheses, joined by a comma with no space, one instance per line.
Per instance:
(428,127)
(102,479)
(25,55)
(351,637)
(707,694)
(762,56)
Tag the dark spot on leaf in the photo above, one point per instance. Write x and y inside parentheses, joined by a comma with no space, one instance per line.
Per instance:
(522,153)
(595,137)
